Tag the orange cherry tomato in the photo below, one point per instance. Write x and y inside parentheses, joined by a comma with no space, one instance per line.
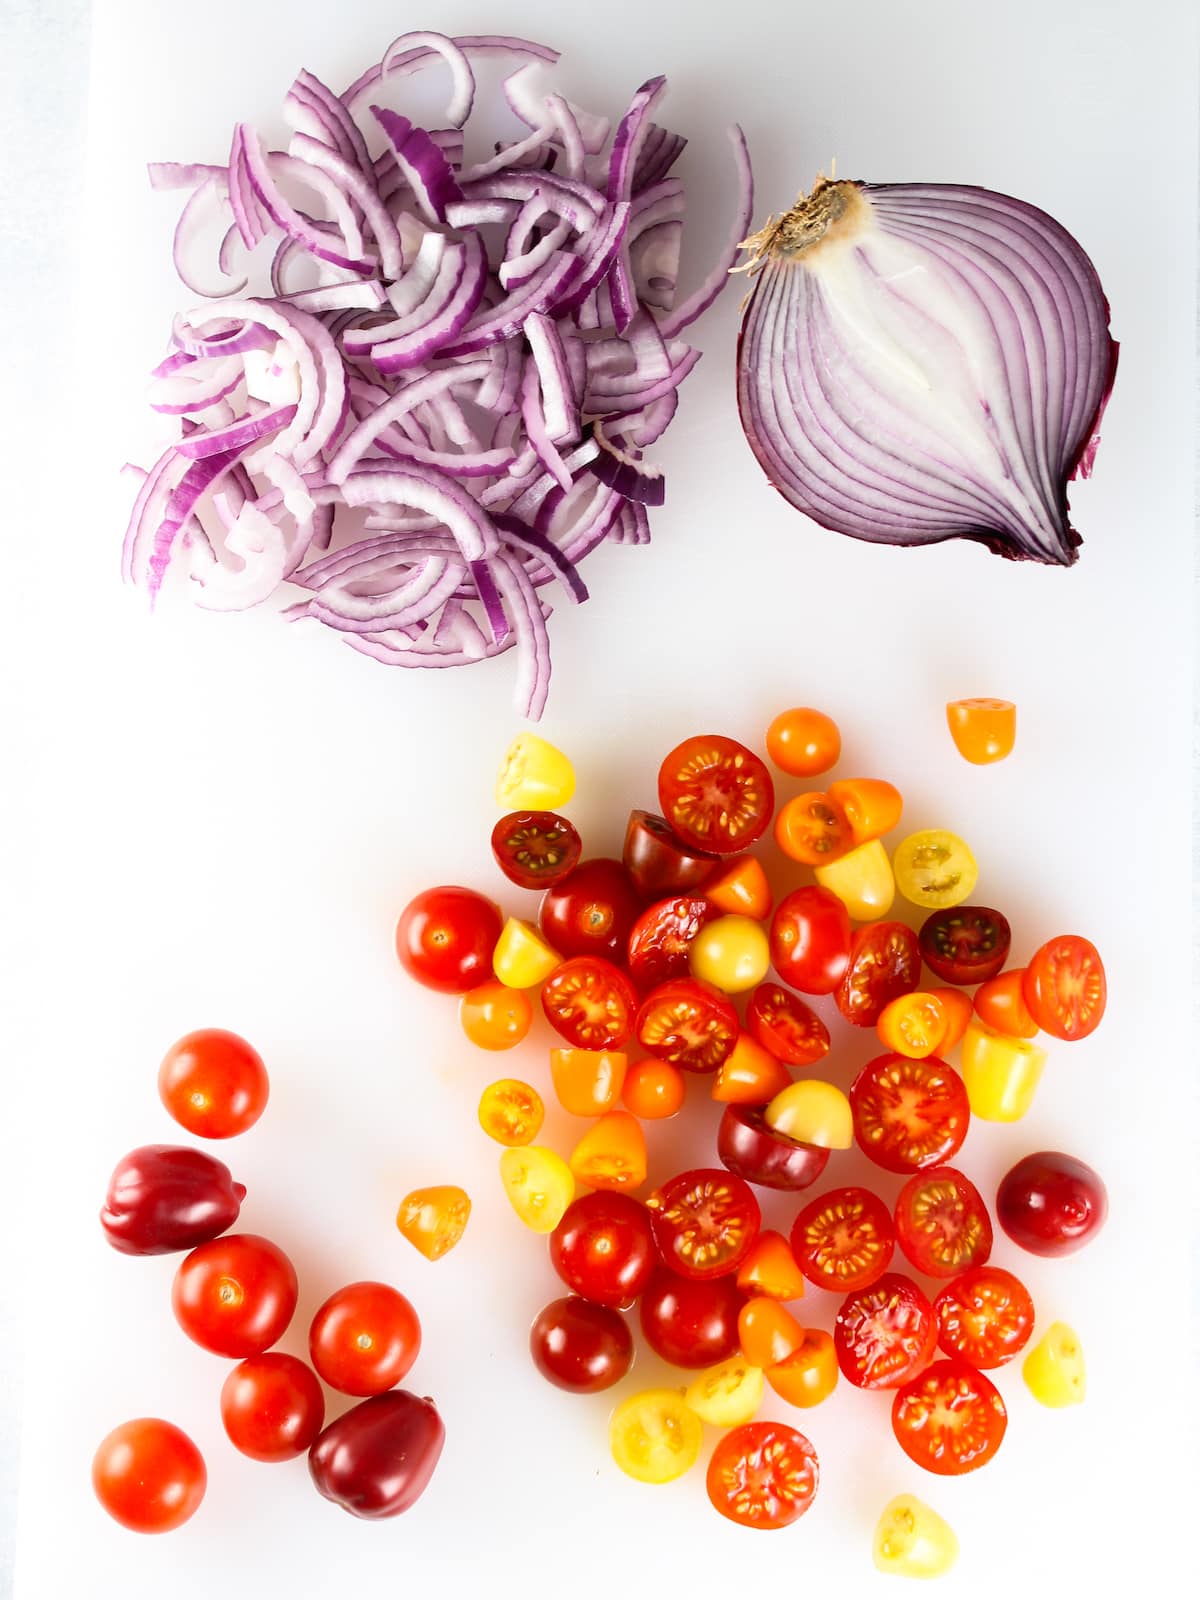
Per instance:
(982,730)
(511,1112)
(612,1153)
(803,742)
(587,1082)
(810,1374)
(770,1269)
(959,1011)
(872,806)
(495,1017)
(813,829)
(914,1025)
(767,1331)
(434,1219)
(1000,1002)
(749,1075)
(740,888)
(653,1089)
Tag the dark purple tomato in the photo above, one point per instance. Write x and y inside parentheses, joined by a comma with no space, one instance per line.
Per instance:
(691,1322)
(604,1248)
(659,862)
(166,1197)
(535,849)
(1051,1204)
(749,1146)
(377,1458)
(580,1346)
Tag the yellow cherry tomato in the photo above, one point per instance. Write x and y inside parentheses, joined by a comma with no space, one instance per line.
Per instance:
(934,869)
(862,880)
(814,1112)
(872,806)
(511,1112)
(495,1017)
(534,776)
(728,1394)
(539,1186)
(1000,1071)
(587,1082)
(810,1374)
(731,953)
(912,1541)
(655,1436)
(1054,1370)
(612,1153)
(522,959)
(914,1025)
(434,1219)
(982,730)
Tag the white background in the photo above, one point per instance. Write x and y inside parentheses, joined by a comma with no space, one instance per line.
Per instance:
(219,819)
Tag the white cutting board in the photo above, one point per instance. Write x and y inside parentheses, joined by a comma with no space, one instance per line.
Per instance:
(227,816)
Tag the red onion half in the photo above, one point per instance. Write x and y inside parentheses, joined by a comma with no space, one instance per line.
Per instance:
(425,383)
(920,362)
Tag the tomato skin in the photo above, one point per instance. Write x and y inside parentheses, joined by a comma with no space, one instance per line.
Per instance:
(966,944)
(844,1239)
(810,1374)
(1065,987)
(1000,1003)
(376,1459)
(909,1114)
(705,1221)
(983,730)
(942,1224)
(716,794)
(653,1090)
(364,1338)
(272,1407)
(522,958)
(740,888)
(886,1334)
(534,849)
(235,1295)
(659,862)
(580,1346)
(495,1017)
(445,938)
(213,1083)
(612,1153)
(885,962)
(433,1220)
(782,1023)
(166,1197)
(148,1475)
(591,911)
(979,1418)
(590,1002)
(810,940)
(862,879)
(803,742)
(661,938)
(812,829)
(1051,1204)
(731,953)
(689,1024)
(1001,1072)
(587,1083)
(767,1331)
(770,1268)
(748,1146)
(812,1111)
(762,1475)
(690,1322)
(604,1249)
(873,806)
(749,1075)
(985,1317)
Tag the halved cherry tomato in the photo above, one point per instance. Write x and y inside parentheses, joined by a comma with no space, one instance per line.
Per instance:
(689,1024)
(862,879)
(539,1185)
(534,773)
(1065,987)
(782,1023)
(1054,1369)
(912,1541)
(844,1239)
(982,730)
(966,944)
(591,1003)
(654,1436)
(653,1089)
(762,1475)
(885,1334)
(592,909)
(950,1419)
(934,868)
(495,1017)
(985,1317)
(445,938)
(749,1146)
(740,887)
(803,742)
(812,829)
(959,1011)
(1000,1003)
(767,1331)
(909,1114)
(810,940)
(728,1394)
(434,1219)
(716,794)
(731,953)
(661,939)
(810,1374)
(522,959)
(659,862)
(885,962)
(873,806)
(1001,1072)
(704,1222)
(812,1111)
(534,849)
(913,1025)
(770,1268)
(612,1153)
(942,1224)
(511,1112)
(749,1075)
(691,1322)
(604,1249)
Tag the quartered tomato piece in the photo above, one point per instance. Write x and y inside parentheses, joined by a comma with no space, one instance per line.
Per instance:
(803,742)
(591,910)
(611,1154)
(716,794)
(433,1220)
(873,806)
(810,1374)
(909,1114)
(762,1475)
(966,944)
(934,868)
(740,887)
(784,1025)
(749,1075)
(810,940)
(1000,1003)
(661,938)
(587,1082)
(885,962)
(590,1002)
(844,1239)
(770,1268)
(985,1317)
(942,1224)
(688,1024)
(704,1221)
(659,862)
(1065,987)
(767,1331)
(534,849)
(749,1146)
(983,730)
(886,1334)
(812,829)
(950,1419)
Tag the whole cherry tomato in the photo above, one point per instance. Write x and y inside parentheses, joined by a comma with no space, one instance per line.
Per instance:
(885,1334)
(659,862)
(591,911)
(272,1407)
(603,1248)
(148,1475)
(966,944)
(364,1338)
(534,849)
(213,1083)
(909,1114)
(1051,1204)
(586,1082)
(653,1089)
(784,1025)
(1065,987)
(810,940)
(985,1317)
(235,1296)
(844,1239)
(771,1268)
(942,1224)
(715,793)
(950,1419)
(164,1197)
(495,1017)
(445,938)
(750,1147)
(762,1475)
(691,1322)
(803,742)
(704,1221)
(688,1024)
(731,953)
(885,962)
(590,1002)
(377,1458)
(660,940)
(580,1346)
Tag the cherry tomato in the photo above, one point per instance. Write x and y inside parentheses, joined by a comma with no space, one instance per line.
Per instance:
(749,1075)
(691,1322)
(803,742)
(812,1111)
(612,1153)
(148,1475)
(539,1185)
(1051,1204)
(885,1334)
(782,1023)
(534,773)
(364,1338)
(862,879)
(966,944)
(1065,987)
(873,806)
(914,1025)
(654,1436)
(812,829)
(1001,1072)
(1054,1370)
(376,1459)
(433,1220)
(522,959)
(659,862)
(591,912)
(982,730)
(1000,1003)
(739,886)
(704,1221)
(716,794)
(728,1394)
(590,1002)
(603,1248)
(942,1224)
(166,1197)
(445,938)
(770,1268)
(767,1331)
(213,1083)
(495,1017)
(579,1346)
(272,1407)
(810,940)
(661,939)
(689,1024)
(762,1475)
(748,1146)
(950,1419)
(934,869)
(534,849)
(511,1112)
(731,953)
(909,1114)
(653,1090)
(844,1239)
(885,962)
(985,1317)
(235,1295)
(958,1011)
(912,1541)
(587,1082)
(810,1374)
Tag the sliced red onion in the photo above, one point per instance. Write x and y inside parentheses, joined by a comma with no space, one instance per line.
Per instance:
(627,473)
(422,164)
(451,302)
(921,362)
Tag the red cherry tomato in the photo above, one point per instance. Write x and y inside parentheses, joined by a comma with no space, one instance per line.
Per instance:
(966,944)
(885,962)
(688,1024)
(445,938)
(762,1475)
(691,1322)
(213,1083)
(1065,987)
(885,1334)
(580,1346)
(272,1407)
(148,1475)
(749,1146)
(590,1002)
(810,940)
(716,794)
(985,1317)
(950,1419)
(364,1338)
(658,860)
(1051,1204)
(844,1239)
(377,1458)
(1000,1002)
(603,1249)
(235,1295)
(942,1224)
(704,1221)
(165,1197)
(784,1025)
(534,849)
(909,1113)
(661,937)
(590,912)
